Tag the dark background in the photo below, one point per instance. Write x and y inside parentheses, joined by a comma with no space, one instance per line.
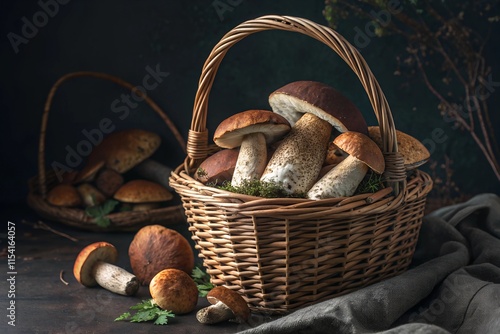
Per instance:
(124,37)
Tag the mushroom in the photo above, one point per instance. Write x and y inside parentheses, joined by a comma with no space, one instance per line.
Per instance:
(90,195)
(143,194)
(315,109)
(122,150)
(250,130)
(218,168)
(343,179)
(64,195)
(108,181)
(88,173)
(94,265)
(414,153)
(155,171)
(156,247)
(226,305)
(174,290)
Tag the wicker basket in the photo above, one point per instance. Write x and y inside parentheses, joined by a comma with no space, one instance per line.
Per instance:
(45,180)
(285,253)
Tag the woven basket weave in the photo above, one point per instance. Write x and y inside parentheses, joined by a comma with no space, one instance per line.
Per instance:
(45,180)
(285,253)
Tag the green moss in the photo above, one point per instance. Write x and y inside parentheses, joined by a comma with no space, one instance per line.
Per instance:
(260,189)
(371,183)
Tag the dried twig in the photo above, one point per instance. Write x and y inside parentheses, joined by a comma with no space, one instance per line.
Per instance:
(42,226)
(61,278)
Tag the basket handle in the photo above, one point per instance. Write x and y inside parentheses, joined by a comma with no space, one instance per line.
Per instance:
(42,185)
(197,144)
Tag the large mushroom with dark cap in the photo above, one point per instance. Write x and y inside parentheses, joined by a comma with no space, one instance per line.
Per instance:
(343,179)
(315,109)
(120,151)
(252,131)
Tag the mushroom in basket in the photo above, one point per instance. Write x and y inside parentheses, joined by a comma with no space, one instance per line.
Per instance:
(315,109)
(143,195)
(343,179)
(414,153)
(250,130)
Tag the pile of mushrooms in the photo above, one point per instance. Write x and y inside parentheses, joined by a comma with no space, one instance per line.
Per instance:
(118,168)
(324,150)
(162,260)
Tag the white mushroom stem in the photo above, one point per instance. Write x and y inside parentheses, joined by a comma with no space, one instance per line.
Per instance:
(154,171)
(297,161)
(215,313)
(115,279)
(252,159)
(342,180)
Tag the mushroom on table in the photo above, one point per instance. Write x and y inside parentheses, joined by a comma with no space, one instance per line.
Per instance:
(252,131)
(174,290)
(314,109)
(156,247)
(343,179)
(227,305)
(94,266)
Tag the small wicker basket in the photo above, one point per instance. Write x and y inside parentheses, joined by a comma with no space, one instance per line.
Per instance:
(285,253)
(120,221)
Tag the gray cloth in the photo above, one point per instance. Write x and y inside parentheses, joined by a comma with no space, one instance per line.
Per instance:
(453,285)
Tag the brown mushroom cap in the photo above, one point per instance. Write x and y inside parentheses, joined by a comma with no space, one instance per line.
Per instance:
(174,290)
(231,131)
(232,300)
(299,97)
(88,257)
(218,167)
(414,153)
(155,248)
(122,150)
(142,191)
(363,148)
(64,195)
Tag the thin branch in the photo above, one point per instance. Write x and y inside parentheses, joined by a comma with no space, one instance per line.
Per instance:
(42,226)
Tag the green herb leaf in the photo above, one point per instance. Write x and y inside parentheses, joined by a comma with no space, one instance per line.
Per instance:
(147,310)
(124,316)
(202,280)
(99,212)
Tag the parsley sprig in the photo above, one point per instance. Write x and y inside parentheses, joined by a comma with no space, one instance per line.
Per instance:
(202,280)
(99,212)
(147,310)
